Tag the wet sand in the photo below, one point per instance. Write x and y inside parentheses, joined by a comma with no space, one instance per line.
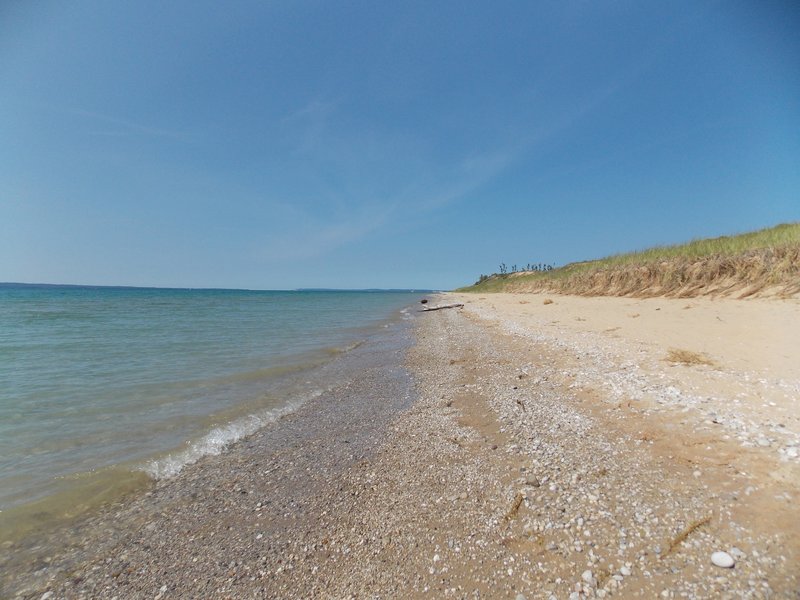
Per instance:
(499,456)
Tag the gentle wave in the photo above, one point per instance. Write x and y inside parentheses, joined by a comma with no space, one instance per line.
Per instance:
(219,438)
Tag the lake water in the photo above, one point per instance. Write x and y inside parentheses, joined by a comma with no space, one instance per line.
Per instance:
(101,388)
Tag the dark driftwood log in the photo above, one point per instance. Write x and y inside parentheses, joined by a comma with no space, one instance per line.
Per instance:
(430,308)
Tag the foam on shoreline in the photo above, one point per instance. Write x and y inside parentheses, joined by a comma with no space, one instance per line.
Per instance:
(219,438)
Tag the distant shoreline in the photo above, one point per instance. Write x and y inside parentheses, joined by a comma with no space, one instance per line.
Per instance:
(12,284)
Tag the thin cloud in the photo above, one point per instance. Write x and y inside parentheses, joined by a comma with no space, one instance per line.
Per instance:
(313,239)
(126,127)
(469,174)
(307,125)
(314,110)
(374,214)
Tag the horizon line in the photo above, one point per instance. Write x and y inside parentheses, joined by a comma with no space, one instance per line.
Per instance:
(221,289)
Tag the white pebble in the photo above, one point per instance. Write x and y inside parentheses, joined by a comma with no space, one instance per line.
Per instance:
(587,576)
(722,559)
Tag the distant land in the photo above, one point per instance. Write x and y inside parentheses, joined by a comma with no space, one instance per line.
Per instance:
(395,290)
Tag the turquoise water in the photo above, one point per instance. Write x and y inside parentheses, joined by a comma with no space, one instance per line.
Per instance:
(121,380)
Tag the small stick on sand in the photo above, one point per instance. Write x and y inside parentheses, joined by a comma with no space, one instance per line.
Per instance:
(685,534)
(512,513)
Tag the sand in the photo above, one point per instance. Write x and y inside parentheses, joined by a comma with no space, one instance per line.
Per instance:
(753,348)
(517,449)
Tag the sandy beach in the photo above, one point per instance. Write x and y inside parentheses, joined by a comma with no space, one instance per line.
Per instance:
(525,446)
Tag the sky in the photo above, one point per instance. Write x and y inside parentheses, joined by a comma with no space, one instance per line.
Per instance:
(277,145)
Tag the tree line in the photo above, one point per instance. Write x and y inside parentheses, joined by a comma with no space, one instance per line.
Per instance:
(529,268)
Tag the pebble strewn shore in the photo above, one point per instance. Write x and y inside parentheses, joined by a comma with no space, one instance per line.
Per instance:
(499,481)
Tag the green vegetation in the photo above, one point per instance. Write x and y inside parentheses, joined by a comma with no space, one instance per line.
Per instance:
(761,261)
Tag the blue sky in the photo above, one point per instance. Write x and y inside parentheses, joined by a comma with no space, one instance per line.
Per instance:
(274,145)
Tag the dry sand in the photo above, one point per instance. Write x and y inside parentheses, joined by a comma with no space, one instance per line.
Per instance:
(550,451)
(752,381)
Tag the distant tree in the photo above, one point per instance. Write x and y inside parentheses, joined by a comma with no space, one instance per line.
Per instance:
(503,269)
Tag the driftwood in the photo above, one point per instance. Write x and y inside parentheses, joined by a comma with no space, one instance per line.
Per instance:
(430,308)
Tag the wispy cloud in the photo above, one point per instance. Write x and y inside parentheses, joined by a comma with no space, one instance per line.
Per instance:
(310,239)
(125,127)
(306,237)
(307,125)
(472,172)
(359,177)
(313,110)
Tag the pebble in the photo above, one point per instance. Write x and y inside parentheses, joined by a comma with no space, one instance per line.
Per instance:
(722,559)
(587,576)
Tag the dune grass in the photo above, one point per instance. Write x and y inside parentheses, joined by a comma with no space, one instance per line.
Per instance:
(752,263)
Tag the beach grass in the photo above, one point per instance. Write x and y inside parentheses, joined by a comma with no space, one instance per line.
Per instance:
(754,263)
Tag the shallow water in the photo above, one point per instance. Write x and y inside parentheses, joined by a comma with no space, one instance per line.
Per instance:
(98,385)
(292,464)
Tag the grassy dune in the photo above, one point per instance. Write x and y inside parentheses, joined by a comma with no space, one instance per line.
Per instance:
(762,263)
